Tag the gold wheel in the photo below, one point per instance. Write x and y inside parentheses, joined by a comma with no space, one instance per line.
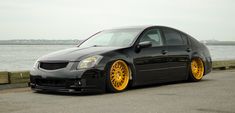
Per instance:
(197,68)
(119,75)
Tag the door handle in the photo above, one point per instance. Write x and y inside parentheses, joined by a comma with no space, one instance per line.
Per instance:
(164,52)
(188,49)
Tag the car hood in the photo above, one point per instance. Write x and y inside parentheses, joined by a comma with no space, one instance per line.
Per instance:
(73,54)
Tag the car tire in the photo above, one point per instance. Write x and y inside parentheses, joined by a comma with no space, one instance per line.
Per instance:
(196,70)
(117,76)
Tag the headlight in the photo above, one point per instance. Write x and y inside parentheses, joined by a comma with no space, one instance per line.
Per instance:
(89,62)
(35,65)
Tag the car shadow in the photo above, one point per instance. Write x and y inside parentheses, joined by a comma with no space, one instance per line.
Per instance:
(68,93)
(167,84)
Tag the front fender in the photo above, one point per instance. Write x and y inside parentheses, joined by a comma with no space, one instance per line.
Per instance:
(110,57)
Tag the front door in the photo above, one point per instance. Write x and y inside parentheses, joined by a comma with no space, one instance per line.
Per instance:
(150,62)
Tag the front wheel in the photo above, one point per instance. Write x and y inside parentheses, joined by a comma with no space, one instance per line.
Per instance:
(118,76)
(196,69)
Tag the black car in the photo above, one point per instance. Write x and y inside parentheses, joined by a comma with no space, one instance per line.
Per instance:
(114,59)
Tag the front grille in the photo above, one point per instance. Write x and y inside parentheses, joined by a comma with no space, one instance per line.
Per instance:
(54,82)
(53,65)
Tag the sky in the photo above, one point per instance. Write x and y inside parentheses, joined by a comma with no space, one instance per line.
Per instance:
(78,19)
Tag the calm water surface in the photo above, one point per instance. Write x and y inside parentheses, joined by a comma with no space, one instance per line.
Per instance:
(22,57)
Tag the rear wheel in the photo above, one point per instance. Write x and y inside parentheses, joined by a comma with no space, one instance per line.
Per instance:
(196,69)
(118,76)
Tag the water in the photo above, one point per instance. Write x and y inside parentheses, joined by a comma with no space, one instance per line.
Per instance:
(22,57)
(222,52)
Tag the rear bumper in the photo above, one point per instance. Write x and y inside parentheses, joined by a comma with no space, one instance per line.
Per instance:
(91,80)
(208,65)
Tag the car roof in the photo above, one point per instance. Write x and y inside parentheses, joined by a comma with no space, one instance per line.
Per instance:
(143,27)
(133,27)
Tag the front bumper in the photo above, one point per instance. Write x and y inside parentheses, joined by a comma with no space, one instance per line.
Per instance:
(74,81)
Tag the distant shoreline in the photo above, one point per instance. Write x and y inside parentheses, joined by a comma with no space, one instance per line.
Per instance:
(216,42)
(39,42)
(220,44)
(76,42)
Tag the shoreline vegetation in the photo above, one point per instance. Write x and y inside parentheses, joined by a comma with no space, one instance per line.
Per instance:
(76,41)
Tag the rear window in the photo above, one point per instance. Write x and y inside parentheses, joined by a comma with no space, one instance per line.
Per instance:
(172,37)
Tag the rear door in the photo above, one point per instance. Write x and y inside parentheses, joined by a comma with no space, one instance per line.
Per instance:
(178,52)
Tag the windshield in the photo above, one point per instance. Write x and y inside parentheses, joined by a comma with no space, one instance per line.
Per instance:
(118,38)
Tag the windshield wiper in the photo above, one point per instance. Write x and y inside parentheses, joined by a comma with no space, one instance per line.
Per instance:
(97,46)
(93,46)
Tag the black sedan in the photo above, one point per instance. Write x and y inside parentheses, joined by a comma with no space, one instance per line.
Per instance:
(111,60)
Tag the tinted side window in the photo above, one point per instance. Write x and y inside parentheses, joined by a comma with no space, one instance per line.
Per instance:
(172,37)
(152,35)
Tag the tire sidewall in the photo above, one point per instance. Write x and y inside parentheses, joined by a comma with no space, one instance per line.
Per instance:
(191,76)
(109,86)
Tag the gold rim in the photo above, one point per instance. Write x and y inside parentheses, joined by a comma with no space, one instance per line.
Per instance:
(197,68)
(119,75)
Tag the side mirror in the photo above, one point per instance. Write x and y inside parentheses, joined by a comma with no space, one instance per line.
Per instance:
(144,44)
